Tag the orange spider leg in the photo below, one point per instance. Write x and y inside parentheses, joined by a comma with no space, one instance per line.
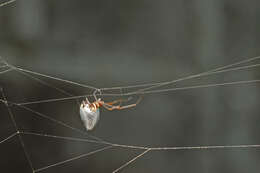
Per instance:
(120,101)
(112,107)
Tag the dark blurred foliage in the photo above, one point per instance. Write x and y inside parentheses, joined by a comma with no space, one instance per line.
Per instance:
(119,43)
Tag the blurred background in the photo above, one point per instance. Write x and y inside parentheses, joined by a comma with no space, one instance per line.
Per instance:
(120,43)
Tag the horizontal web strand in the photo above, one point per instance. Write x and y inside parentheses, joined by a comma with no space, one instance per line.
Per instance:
(147,147)
(211,72)
(214,71)
(131,93)
(85,140)
(144,92)
(153,85)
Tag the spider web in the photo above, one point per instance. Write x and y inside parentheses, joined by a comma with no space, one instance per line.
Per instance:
(55,130)
(19,132)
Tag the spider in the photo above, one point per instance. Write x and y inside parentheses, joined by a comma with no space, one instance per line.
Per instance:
(89,112)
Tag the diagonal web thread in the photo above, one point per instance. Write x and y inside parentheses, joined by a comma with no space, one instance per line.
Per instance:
(7,3)
(131,161)
(5,71)
(74,158)
(9,137)
(61,123)
(56,78)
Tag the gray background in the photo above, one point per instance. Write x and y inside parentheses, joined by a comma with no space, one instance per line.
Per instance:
(120,43)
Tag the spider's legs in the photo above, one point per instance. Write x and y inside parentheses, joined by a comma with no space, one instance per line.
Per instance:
(120,101)
(112,107)
(109,107)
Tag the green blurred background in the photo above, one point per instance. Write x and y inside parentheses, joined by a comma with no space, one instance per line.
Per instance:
(120,43)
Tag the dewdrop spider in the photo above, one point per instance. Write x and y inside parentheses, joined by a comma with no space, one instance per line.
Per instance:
(89,112)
